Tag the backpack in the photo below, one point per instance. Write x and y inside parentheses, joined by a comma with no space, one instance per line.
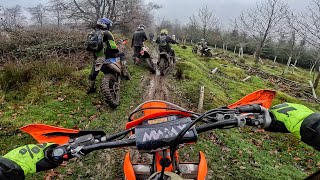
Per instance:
(163,40)
(94,41)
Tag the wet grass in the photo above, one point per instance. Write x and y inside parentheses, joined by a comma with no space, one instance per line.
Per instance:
(64,103)
(243,153)
(231,154)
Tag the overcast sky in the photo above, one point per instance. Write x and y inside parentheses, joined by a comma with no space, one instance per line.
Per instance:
(224,9)
(183,9)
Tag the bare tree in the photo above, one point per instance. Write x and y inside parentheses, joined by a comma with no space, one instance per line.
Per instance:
(92,10)
(59,10)
(120,11)
(205,20)
(262,22)
(12,18)
(309,24)
(38,14)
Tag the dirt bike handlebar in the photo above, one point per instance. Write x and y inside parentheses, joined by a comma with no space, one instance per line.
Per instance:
(255,116)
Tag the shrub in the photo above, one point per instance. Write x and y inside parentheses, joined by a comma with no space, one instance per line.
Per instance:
(16,75)
(246,56)
(242,60)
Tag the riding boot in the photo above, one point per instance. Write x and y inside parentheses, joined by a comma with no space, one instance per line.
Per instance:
(136,61)
(91,87)
(124,70)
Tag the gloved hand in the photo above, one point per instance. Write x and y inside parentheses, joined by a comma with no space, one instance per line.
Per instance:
(33,158)
(298,120)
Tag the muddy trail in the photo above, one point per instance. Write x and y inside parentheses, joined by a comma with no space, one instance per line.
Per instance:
(157,87)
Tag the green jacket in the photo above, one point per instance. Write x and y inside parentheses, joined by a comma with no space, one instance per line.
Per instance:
(297,119)
(110,47)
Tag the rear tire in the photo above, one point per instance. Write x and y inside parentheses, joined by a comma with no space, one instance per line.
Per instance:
(208,54)
(163,66)
(110,89)
(152,66)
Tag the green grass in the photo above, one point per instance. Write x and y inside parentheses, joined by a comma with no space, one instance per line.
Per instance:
(231,154)
(66,104)
(243,153)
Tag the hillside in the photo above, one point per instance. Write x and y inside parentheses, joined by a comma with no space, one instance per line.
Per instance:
(54,94)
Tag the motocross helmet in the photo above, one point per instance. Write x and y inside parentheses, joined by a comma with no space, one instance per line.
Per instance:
(104,23)
(164,31)
(141,26)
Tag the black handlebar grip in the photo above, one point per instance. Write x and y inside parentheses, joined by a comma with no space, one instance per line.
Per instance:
(253,108)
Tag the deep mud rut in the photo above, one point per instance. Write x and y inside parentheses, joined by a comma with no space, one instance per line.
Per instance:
(157,86)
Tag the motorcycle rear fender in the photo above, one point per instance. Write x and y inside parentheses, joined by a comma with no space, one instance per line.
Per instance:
(97,66)
(164,55)
(114,67)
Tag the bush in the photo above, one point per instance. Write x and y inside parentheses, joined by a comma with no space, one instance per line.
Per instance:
(246,56)
(242,60)
(40,43)
(17,75)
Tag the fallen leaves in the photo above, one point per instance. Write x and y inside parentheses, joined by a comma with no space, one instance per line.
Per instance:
(50,174)
(93,117)
(297,159)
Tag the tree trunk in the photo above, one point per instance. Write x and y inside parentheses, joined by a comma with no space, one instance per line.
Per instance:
(274,60)
(312,68)
(313,89)
(257,55)
(215,46)
(316,82)
(287,67)
(254,54)
(223,47)
(235,49)
(226,47)
(294,65)
(241,53)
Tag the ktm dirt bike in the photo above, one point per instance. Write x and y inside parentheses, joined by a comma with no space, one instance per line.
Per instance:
(145,56)
(206,52)
(114,70)
(158,128)
(164,62)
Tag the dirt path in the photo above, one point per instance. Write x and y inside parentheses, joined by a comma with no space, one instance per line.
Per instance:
(157,86)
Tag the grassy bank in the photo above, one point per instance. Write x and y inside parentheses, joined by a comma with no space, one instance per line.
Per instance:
(63,102)
(243,153)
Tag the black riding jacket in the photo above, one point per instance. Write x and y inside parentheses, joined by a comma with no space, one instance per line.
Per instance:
(139,36)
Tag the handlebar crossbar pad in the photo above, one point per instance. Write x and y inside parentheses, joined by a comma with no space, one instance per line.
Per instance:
(157,136)
(252,108)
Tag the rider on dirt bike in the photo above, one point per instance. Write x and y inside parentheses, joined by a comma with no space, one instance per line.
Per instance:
(139,36)
(203,44)
(294,118)
(151,36)
(164,43)
(110,50)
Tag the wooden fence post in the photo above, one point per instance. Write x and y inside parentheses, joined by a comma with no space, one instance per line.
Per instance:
(200,105)
(313,91)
